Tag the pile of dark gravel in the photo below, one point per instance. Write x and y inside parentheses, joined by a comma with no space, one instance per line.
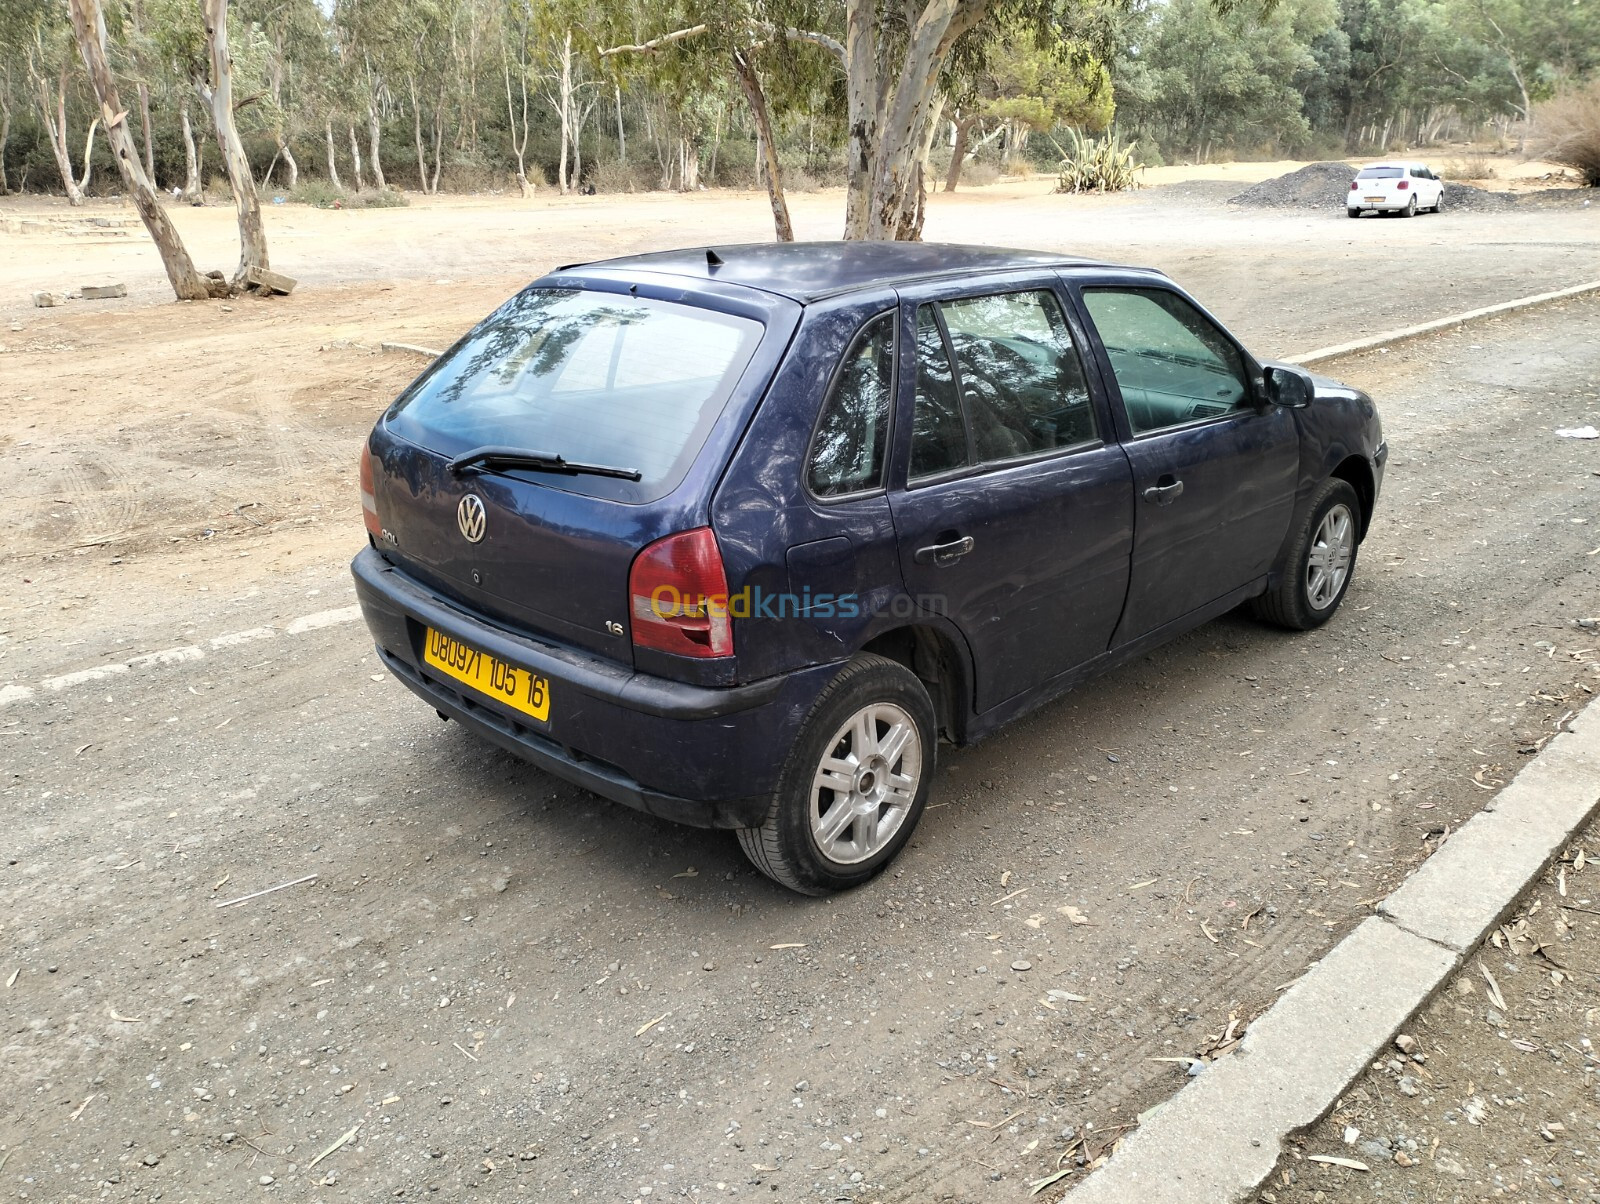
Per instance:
(1476,200)
(1326,187)
(1315,186)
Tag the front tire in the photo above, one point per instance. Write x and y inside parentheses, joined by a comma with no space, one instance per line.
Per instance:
(1321,561)
(855,782)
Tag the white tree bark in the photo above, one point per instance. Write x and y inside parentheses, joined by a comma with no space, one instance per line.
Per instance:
(88,24)
(192,188)
(564,107)
(374,133)
(54,119)
(333,161)
(355,158)
(218,94)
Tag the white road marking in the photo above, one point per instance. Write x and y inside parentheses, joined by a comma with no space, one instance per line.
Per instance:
(17,692)
(323,618)
(235,638)
(82,677)
(168,656)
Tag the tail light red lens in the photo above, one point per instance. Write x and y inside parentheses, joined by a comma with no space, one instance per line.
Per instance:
(678,595)
(369,504)
(1353,186)
(1403,185)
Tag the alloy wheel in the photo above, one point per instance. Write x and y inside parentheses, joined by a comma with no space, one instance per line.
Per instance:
(866,783)
(1328,564)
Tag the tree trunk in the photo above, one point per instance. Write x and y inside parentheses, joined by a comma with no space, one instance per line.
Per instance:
(896,185)
(192,189)
(219,94)
(416,129)
(932,132)
(565,110)
(438,129)
(288,161)
(55,128)
(622,133)
(88,157)
(333,162)
(374,133)
(5,137)
(88,26)
(149,134)
(958,153)
(355,157)
(756,98)
(518,127)
(863,99)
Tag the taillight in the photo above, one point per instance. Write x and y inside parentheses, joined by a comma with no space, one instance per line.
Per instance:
(1352,185)
(369,504)
(678,596)
(1403,185)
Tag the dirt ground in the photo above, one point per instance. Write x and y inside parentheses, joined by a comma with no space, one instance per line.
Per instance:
(1492,1092)
(514,988)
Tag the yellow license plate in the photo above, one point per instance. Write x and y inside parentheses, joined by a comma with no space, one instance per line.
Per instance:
(487,675)
(1374,200)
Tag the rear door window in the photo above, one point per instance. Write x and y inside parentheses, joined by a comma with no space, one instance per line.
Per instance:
(1381,173)
(599,378)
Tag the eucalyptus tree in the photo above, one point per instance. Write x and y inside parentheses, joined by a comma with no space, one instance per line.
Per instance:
(707,37)
(1022,79)
(51,80)
(89,29)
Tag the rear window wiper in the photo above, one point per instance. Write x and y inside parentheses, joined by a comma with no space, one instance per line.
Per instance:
(492,458)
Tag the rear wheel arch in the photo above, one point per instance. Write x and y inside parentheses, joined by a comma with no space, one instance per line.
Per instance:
(938,663)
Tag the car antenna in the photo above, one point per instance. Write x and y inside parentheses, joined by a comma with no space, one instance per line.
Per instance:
(713,260)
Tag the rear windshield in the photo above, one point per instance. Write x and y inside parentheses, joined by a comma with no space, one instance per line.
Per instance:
(1380,173)
(592,377)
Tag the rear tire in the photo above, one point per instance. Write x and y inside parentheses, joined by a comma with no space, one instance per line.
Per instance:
(1353,212)
(854,784)
(1321,562)
(1411,207)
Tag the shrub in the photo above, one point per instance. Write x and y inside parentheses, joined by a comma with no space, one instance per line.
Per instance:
(317,192)
(979,173)
(377,198)
(614,175)
(1097,164)
(1567,130)
(1472,165)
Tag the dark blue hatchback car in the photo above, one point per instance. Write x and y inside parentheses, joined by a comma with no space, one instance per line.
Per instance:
(735,536)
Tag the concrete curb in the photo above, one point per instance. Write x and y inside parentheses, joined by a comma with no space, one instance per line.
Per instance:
(1219,1138)
(1324,354)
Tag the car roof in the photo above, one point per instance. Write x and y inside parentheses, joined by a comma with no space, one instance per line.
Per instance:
(811,271)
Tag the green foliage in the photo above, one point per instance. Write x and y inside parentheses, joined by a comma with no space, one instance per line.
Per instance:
(1097,164)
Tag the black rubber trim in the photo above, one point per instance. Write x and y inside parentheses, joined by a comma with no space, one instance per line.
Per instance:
(601,778)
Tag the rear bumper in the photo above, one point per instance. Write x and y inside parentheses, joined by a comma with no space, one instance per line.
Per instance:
(693,754)
(1391,205)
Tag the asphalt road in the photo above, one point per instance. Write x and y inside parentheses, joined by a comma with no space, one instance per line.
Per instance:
(498,982)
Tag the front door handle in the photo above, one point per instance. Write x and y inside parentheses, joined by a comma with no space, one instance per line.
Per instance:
(946,553)
(1164,492)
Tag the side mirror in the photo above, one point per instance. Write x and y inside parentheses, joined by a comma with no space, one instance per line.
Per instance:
(1288,386)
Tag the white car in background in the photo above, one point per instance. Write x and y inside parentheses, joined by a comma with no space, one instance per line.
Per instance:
(1401,187)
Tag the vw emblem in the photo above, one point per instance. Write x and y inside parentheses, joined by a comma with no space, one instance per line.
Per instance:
(470,517)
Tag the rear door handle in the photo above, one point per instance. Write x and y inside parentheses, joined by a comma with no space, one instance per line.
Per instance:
(946,553)
(1165,493)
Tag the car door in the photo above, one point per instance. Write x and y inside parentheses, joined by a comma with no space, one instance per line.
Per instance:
(1012,508)
(1214,469)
